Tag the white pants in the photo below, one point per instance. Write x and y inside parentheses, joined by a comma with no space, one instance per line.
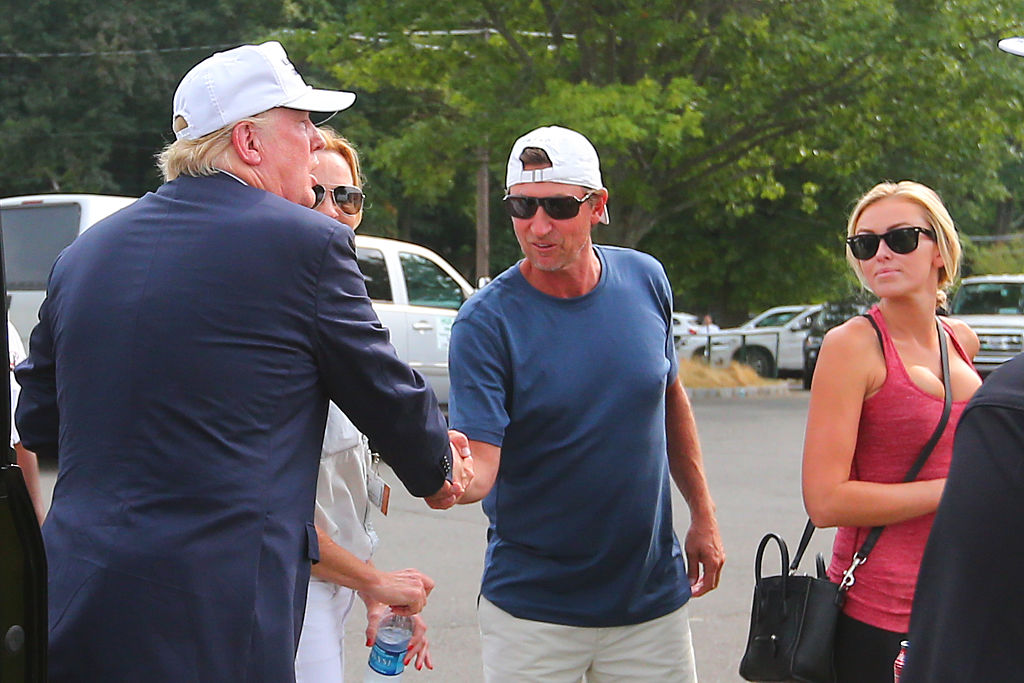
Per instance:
(321,654)
(519,650)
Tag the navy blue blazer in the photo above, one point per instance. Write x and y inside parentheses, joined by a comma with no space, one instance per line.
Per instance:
(181,370)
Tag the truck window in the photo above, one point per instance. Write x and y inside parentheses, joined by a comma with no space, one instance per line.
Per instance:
(427,284)
(375,272)
(992,298)
(33,238)
(776,319)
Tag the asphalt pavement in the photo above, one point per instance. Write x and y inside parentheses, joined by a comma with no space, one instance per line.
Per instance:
(752,451)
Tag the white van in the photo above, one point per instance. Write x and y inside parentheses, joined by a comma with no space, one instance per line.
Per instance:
(36,229)
(415,292)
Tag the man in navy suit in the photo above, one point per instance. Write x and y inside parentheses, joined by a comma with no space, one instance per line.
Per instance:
(181,371)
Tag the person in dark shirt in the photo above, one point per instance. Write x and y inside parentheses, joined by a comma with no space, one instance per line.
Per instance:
(968,617)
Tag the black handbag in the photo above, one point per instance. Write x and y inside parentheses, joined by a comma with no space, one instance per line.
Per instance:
(792,622)
(793,618)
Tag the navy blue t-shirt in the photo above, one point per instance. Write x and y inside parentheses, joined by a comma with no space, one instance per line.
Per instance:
(573,392)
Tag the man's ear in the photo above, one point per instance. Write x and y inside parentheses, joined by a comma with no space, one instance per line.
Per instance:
(246,143)
(599,207)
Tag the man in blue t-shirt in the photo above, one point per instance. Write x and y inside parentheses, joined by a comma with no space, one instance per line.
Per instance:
(564,379)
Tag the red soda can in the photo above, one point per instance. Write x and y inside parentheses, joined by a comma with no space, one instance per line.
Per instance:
(897,666)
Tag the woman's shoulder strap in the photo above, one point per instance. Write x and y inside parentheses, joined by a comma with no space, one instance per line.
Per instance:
(878,331)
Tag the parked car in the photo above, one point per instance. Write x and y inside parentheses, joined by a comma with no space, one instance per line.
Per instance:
(415,292)
(683,325)
(770,342)
(830,315)
(993,306)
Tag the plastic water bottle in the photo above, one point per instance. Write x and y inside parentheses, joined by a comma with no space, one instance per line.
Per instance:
(897,666)
(387,658)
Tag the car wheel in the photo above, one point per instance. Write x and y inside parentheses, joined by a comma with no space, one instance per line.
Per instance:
(757,358)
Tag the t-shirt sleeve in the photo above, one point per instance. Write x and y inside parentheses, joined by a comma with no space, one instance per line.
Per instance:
(478,370)
(665,299)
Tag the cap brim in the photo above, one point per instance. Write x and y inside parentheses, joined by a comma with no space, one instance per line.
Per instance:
(322,101)
(1015,46)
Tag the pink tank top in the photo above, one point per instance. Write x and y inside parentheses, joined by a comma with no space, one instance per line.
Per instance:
(895,424)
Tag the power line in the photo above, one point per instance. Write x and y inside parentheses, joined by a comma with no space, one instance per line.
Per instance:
(996,238)
(486,32)
(115,53)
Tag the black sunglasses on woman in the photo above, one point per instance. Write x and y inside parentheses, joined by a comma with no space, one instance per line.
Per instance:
(899,241)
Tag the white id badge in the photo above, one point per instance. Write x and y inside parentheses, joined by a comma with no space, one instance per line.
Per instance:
(378,491)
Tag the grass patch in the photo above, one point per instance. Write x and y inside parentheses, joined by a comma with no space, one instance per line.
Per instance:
(699,375)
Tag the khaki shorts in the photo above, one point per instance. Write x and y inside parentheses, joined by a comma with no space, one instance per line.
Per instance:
(519,650)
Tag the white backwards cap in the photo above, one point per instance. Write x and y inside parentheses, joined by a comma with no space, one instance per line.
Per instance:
(229,86)
(1015,46)
(573,160)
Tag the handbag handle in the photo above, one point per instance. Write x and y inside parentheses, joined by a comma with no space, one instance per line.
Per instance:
(861,556)
(759,558)
(783,551)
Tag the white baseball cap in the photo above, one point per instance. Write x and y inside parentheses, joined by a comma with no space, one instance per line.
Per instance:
(573,160)
(1015,46)
(228,86)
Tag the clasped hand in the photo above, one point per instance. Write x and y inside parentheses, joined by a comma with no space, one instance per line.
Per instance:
(462,473)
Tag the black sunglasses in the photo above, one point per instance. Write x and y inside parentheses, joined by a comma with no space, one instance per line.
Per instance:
(558,208)
(899,241)
(347,197)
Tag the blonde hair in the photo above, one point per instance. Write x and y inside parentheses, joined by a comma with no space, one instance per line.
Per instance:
(201,156)
(946,237)
(333,142)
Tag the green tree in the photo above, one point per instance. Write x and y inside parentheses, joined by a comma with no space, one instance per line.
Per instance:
(88,84)
(733,134)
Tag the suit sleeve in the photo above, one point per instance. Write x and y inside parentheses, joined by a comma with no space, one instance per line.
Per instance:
(36,415)
(384,398)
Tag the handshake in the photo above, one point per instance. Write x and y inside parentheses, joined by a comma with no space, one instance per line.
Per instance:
(462,474)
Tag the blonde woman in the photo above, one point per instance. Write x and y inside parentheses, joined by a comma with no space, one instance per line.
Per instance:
(873,407)
(343,504)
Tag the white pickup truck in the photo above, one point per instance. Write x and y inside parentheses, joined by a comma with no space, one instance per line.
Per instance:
(415,292)
(993,306)
(770,342)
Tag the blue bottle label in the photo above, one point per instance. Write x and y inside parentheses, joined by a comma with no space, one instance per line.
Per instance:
(387,663)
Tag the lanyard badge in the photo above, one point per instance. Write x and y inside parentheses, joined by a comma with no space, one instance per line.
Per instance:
(377,489)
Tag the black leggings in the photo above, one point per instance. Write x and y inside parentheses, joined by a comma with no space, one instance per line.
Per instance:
(863,653)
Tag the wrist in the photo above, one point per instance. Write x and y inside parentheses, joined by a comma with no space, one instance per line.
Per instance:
(702,512)
(370,583)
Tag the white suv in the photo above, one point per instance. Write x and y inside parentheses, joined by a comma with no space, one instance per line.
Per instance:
(415,292)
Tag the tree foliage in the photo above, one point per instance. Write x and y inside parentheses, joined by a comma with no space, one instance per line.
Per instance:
(733,135)
(88,85)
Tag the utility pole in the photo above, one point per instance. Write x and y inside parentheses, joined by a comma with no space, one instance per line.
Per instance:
(483,216)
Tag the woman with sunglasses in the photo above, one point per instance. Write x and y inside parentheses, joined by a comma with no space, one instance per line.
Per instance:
(343,501)
(876,398)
